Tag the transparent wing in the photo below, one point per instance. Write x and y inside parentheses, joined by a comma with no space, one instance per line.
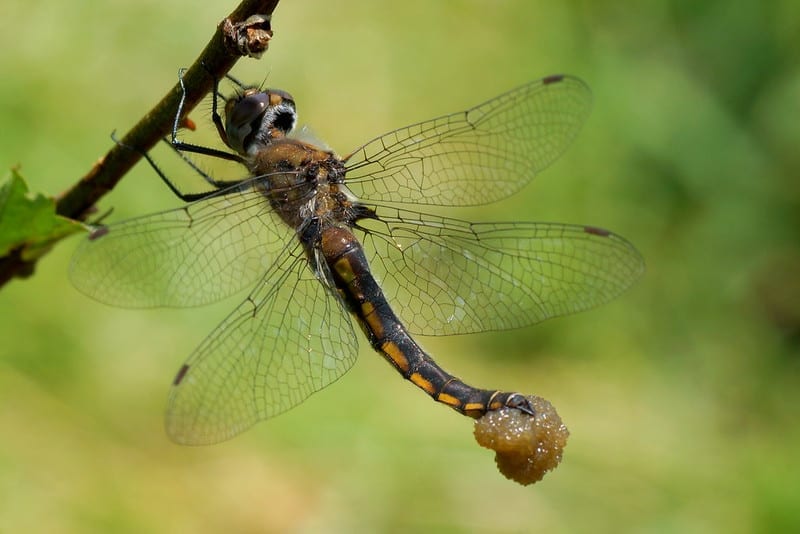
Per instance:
(476,156)
(290,338)
(444,276)
(192,255)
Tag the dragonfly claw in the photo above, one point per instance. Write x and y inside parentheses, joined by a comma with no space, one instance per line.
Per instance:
(521,403)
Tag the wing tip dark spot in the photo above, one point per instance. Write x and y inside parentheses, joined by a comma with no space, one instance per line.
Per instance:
(181,374)
(98,232)
(594,230)
(553,78)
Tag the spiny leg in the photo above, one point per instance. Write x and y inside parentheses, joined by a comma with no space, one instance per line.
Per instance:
(197,149)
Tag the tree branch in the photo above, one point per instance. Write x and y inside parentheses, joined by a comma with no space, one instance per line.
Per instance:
(241,33)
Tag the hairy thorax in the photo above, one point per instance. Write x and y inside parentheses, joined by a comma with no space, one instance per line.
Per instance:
(302,181)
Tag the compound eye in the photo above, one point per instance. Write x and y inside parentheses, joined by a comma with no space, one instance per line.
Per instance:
(243,118)
(279,96)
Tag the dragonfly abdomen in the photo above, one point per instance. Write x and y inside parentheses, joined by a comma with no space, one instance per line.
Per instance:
(389,337)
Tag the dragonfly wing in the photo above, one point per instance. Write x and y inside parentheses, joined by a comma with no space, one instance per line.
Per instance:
(475,156)
(445,276)
(189,256)
(290,338)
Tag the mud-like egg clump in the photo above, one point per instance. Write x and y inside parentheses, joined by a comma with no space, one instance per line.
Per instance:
(526,446)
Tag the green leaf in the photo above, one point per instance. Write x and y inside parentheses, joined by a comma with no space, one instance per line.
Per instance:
(29,221)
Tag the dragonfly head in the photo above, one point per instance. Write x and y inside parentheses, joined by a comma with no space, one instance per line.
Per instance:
(254,118)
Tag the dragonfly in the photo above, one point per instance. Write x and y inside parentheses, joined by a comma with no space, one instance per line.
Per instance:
(321,242)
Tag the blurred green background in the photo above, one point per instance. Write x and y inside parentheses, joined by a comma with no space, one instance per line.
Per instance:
(682,396)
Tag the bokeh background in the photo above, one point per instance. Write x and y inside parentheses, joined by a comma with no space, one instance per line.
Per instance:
(682,396)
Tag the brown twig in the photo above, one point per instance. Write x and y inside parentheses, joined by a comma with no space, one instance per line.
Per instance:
(246,31)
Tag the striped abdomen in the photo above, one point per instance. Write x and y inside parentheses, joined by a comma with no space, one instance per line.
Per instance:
(387,335)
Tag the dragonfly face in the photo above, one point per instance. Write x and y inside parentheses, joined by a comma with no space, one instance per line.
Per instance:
(255,118)
(316,238)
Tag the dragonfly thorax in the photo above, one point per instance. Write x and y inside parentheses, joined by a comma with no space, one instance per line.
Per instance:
(300,180)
